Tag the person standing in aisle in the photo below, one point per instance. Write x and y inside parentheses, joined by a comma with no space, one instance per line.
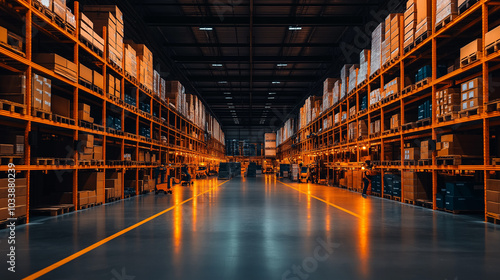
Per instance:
(367,176)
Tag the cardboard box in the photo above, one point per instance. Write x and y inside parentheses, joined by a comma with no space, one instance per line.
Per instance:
(98,153)
(59,9)
(493,196)
(98,80)
(47,95)
(470,49)
(6,149)
(58,64)
(37,91)
(493,207)
(412,154)
(472,84)
(493,185)
(492,36)
(61,106)
(86,74)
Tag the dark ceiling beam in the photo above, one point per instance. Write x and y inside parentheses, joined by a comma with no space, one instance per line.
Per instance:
(225,4)
(279,93)
(256,59)
(292,78)
(212,87)
(245,45)
(194,21)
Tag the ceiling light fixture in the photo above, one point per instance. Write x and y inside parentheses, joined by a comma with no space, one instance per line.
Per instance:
(268,107)
(222,82)
(272,93)
(229,97)
(227,93)
(276,82)
(270,97)
(294,28)
(282,65)
(216,65)
(206,28)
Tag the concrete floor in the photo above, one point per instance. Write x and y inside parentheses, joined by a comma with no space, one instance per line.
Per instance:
(257,228)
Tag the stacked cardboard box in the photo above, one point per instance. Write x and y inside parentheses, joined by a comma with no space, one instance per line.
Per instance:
(362,128)
(88,34)
(375,97)
(114,185)
(61,106)
(156,83)
(42,93)
(344,76)
(176,94)
(410,23)
(352,111)
(112,18)
(94,184)
(328,122)
(352,131)
(84,113)
(130,61)
(445,9)
(364,103)
(392,184)
(464,196)
(396,23)
(457,144)
(315,107)
(86,149)
(86,75)
(328,87)
(270,144)
(424,14)
(364,59)
(493,197)
(376,50)
(337,118)
(395,121)
(163,89)
(387,43)
(58,64)
(375,127)
(472,94)
(417,185)
(98,80)
(474,48)
(353,75)
(13,88)
(145,60)
(336,92)
(114,86)
(59,8)
(21,199)
(391,88)
(412,153)
(343,116)
(426,149)
(448,101)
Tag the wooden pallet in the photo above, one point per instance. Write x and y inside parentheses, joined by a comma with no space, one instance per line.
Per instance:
(112,199)
(396,198)
(15,159)
(459,160)
(408,48)
(113,98)
(408,89)
(495,161)
(448,117)
(424,122)
(61,119)
(471,112)
(86,206)
(408,126)
(387,132)
(466,5)
(46,211)
(409,201)
(375,74)
(41,114)
(388,196)
(445,21)
(410,162)
(86,84)
(458,212)
(12,107)
(425,162)
(98,127)
(424,203)
(85,124)
(423,82)
(395,130)
(422,37)
(44,161)
(376,194)
(97,89)
(84,162)
(493,218)
(396,163)
(64,161)
(493,106)
(470,59)
(113,64)
(61,22)
(96,162)
(492,48)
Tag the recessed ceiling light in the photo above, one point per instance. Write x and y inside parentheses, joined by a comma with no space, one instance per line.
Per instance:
(229,97)
(282,65)
(231,104)
(227,93)
(276,82)
(216,65)
(231,107)
(268,107)
(222,82)
(206,28)
(294,28)
(270,97)
(233,111)
(272,93)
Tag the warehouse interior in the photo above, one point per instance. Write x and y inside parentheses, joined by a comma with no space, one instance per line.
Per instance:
(249,139)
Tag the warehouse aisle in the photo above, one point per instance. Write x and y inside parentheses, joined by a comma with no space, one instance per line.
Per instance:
(258,228)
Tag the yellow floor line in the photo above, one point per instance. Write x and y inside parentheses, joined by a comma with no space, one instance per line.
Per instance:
(322,200)
(104,241)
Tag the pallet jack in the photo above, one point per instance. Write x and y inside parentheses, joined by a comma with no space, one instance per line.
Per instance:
(162,186)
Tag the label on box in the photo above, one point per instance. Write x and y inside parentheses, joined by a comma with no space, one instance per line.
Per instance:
(464,96)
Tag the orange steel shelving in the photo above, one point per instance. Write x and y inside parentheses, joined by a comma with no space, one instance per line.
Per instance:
(186,143)
(331,142)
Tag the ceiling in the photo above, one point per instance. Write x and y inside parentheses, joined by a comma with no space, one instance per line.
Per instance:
(244,58)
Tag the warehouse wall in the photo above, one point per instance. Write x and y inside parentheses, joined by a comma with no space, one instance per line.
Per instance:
(253,135)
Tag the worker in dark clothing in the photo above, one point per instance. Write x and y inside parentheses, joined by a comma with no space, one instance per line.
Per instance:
(367,176)
(185,173)
(160,172)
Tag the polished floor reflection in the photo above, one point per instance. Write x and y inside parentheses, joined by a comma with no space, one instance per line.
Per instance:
(257,228)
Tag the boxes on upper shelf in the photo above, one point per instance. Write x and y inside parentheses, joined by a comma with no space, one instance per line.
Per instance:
(344,75)
(84,113)
(458,144)
(130,61)
(492,36)
(353,75)
(364,58)
(376,50)
(58,64)
(472,94)
(469,51)
(13,88)
(61,106)
(444,10)
(86,75)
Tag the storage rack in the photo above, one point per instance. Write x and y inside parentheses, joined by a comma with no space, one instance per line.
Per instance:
(331,145)
(186,143)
